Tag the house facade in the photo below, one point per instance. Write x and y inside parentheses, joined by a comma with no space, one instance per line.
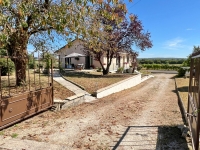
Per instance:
(122,60)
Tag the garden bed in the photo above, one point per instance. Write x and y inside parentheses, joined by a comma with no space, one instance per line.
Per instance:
(93,81)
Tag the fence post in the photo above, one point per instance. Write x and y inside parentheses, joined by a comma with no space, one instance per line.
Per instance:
(0,84)
(8,77)
(52,79)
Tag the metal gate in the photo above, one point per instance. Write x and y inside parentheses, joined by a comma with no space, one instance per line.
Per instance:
(31,97)
(193,110)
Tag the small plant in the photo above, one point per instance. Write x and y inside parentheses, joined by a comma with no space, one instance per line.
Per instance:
(99,69)
(14,135)
(16,125)
(120,70)
(139,67)
(1,133)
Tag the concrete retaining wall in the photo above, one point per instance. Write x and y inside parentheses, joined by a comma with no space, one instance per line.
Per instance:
(70,101)
(119,86)
(122,85)
(146,77)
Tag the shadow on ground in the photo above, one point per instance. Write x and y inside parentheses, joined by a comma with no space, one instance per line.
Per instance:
(151,137)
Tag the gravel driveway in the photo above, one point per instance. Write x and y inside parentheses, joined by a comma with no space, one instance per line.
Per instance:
(143,117)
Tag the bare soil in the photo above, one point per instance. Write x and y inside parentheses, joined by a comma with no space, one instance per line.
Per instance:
(143,117)
(93,81)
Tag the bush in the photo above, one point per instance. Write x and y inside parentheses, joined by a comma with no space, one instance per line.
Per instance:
(120,70)
(31,65)
(181,72)
(6,68)
(99,69)
(139,67)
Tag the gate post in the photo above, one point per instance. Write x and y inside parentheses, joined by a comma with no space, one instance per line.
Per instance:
(0,84)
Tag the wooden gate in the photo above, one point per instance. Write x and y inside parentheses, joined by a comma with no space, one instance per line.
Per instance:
(31,97)
(193,110)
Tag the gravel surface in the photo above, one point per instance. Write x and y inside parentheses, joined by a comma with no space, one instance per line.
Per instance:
(143,117)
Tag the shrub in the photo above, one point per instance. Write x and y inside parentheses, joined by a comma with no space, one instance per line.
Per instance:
(181,72)
(6,68)
(139,67)
(31,65)
(120,70)
(99,69)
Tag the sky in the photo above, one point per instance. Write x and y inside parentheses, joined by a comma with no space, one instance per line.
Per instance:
(174,26)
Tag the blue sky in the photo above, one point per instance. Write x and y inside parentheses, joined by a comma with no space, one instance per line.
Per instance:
(174,26)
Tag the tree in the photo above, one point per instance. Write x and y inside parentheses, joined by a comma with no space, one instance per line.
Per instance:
(36,22)
(196,49)
(116,34)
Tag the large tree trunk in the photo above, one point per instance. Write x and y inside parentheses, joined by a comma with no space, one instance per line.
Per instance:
(17,50)
(20,66)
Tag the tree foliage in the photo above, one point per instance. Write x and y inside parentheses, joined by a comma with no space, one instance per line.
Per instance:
(114,34)
(196,50)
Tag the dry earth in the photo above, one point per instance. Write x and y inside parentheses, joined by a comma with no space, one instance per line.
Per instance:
(143,117)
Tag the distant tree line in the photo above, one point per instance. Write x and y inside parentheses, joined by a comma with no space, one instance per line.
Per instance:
(160,67)
(161,61)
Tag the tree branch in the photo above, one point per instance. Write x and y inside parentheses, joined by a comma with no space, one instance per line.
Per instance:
(40,29)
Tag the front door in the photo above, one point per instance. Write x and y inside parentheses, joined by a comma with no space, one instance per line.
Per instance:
(87,62)
(67,62)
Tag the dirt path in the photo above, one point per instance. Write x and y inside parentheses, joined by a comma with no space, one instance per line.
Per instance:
(143,117)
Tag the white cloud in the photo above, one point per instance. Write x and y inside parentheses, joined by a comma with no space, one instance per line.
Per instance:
(189,29)
(174,44)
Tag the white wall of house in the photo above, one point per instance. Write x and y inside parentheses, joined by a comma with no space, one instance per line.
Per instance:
(75,48)
(78,48)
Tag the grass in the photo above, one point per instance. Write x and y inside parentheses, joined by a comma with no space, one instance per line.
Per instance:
(60,92)
(93,81)
(182,85)
(14,135)
(1,133)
